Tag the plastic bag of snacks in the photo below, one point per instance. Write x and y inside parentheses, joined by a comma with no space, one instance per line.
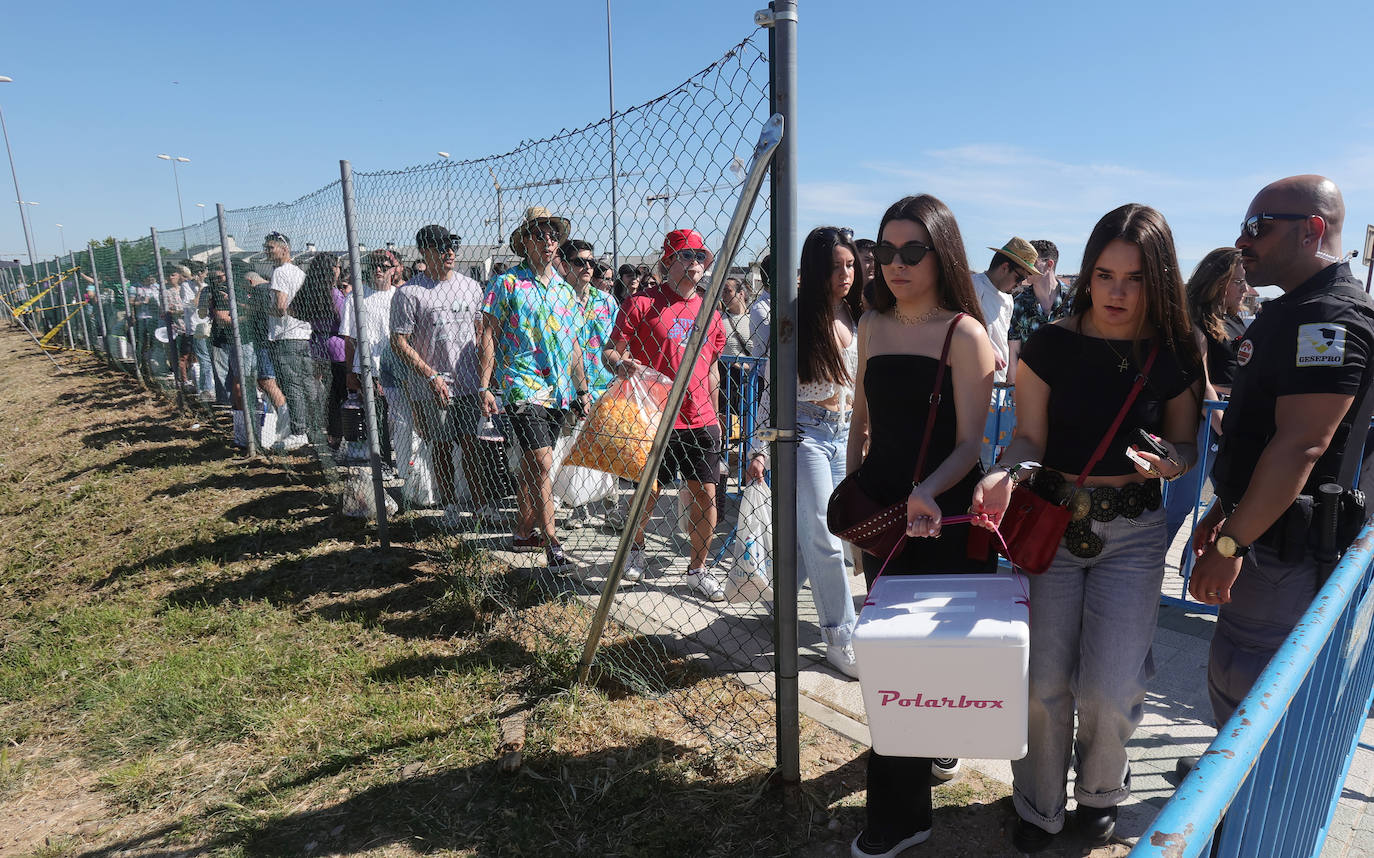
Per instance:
(619,431)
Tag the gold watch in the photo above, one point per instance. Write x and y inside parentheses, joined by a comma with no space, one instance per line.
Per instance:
(1228,547)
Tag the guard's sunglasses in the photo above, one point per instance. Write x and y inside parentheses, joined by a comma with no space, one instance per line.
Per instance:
(1253,226)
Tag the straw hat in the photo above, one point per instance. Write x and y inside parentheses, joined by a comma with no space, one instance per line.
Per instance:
(534,215)
(1020,252)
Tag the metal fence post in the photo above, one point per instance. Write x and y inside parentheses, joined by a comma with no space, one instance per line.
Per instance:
(63,315)
(248,387)
(783,60)
(130,321)
(374,449)
(103,328)
(80,298)
(172,352)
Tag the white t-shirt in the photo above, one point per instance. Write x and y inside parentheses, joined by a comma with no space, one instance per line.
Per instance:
(145,300)
(760,324)
(287,279)
(190,301)
(996,306)
(376,333)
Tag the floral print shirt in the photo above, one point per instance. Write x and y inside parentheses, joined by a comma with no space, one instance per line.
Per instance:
(1027,316)
(598,318)
(536,334)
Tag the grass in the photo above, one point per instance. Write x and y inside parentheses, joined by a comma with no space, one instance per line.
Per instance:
(198,656)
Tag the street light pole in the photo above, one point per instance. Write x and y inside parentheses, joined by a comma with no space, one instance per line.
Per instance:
(175,160)
(203,235)
(62,239)
(18,196)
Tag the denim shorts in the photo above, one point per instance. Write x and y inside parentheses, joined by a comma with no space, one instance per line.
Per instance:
(264,359)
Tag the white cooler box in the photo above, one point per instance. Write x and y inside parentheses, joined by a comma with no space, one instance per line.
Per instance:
(943,665)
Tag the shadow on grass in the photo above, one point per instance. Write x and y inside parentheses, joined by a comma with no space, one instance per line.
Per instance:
(171,455)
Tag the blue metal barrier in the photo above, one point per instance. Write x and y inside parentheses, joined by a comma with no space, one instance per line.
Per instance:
(741,394)
(1276,768)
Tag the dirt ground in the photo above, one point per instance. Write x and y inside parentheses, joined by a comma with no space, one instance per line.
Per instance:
(113,500)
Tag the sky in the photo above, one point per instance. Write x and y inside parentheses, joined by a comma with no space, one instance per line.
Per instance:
(1027,119)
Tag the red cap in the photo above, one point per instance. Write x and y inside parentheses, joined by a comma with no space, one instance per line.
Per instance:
(684,239)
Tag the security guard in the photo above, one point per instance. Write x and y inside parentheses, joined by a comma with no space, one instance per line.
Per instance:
(1304,365)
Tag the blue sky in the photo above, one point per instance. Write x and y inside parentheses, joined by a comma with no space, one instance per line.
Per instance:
(1027,119)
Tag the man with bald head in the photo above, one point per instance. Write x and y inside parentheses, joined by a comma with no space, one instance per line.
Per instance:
(1305,366)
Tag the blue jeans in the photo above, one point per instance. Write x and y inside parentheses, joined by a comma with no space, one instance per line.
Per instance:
(1092,625)
(206,380)
(820,556)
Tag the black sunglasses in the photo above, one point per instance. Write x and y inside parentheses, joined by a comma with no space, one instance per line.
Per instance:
(690,255)
(1254,224)
(844,233)
(912,252)
(579,262)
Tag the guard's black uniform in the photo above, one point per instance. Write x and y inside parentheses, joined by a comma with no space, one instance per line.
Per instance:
(1318,338)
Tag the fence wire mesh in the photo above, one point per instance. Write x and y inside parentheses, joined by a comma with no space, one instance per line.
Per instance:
(520,320)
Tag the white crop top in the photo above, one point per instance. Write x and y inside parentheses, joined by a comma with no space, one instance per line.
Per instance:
(820,391)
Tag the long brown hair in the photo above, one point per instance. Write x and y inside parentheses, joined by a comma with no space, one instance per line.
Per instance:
(818,355)
(1207,290)
(954,286)
(1162,286)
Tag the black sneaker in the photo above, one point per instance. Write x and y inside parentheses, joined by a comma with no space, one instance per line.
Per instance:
(862,847)
(1029,837)
(944,768)
(1096,824)
(558,561)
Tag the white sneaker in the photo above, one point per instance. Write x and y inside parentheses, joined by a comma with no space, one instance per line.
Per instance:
(841,657)
(635,565)
(945,768)
(293,442)
(705,583)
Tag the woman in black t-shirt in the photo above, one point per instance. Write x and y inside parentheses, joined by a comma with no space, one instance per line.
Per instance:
(1095,608)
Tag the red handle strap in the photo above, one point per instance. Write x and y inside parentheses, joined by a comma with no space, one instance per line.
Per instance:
(1101,450)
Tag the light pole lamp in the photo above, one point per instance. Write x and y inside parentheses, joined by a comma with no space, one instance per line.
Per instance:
(18,196)
(203,235)
(62,239)
(175,159)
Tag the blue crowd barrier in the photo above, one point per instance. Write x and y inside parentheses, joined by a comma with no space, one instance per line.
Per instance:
(742,392)
(1269,784)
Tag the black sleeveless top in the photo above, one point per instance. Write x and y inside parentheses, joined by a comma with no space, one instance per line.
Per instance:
(898,388)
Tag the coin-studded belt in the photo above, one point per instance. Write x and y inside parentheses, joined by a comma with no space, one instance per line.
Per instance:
(1102,503)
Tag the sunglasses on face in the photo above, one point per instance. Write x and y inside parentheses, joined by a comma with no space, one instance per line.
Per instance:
(579,262)
(690,256)
(912,252)
(544,235)
(1253,226)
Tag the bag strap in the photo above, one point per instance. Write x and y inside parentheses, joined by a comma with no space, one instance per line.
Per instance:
(1101,450)
(934,401)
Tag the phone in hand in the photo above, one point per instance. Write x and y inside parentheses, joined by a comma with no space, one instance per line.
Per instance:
(1149,443)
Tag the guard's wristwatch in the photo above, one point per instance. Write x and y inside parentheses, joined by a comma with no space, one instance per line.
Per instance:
(1228,547)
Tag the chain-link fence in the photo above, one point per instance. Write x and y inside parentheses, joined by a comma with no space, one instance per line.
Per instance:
(498,373)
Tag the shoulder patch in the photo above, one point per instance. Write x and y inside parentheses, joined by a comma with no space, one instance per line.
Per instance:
(1321,344)
(1244,352)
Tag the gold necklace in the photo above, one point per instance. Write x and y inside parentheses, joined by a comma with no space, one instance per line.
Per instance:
(912,321)
(1125,364)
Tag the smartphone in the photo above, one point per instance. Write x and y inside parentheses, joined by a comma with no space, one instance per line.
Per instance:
(1145,441)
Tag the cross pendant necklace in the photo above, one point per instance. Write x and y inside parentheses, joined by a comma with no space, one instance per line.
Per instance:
(1125,364)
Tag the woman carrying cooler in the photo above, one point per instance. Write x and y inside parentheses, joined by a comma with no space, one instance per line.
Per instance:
(921,287)
(1093,612)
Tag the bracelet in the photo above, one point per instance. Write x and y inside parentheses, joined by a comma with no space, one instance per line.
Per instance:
(434,376)
(483,390)
(580,392)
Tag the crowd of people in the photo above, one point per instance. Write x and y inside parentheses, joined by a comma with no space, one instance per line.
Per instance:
(484,379)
